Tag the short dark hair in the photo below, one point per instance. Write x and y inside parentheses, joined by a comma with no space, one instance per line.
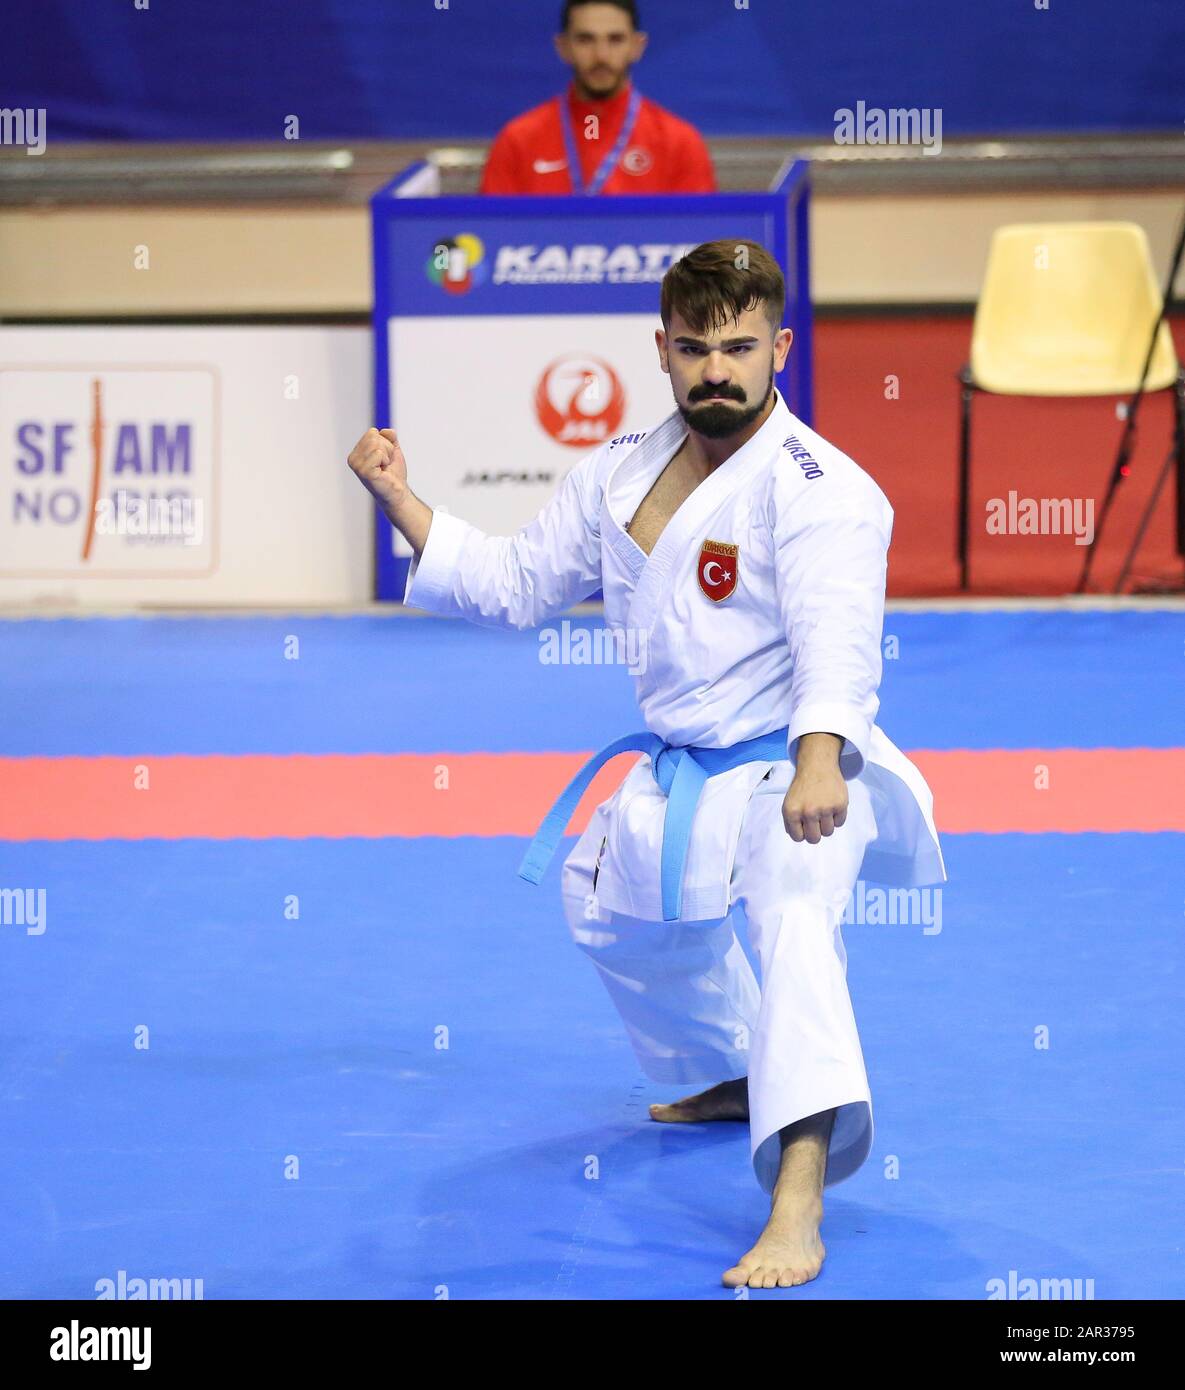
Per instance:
(719,280)
(629,6)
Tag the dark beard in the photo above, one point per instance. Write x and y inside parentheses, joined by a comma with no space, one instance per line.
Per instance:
(604,91)
(718,420)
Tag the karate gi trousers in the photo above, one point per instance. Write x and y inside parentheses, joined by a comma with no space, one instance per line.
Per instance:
(695,1013)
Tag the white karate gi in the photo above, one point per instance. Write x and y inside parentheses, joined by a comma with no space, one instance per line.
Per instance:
(797,643)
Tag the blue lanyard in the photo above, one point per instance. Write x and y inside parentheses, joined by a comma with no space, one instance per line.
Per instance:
(609,163)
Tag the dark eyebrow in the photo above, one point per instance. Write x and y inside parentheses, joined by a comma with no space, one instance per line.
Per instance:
(728,342)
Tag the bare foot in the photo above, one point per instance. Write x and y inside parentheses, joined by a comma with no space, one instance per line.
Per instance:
(787,1252)
(727,1101)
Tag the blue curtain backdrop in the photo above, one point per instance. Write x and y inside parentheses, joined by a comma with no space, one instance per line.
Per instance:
(197,70)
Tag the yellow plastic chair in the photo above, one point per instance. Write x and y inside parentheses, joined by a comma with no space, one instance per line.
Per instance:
(1066,309)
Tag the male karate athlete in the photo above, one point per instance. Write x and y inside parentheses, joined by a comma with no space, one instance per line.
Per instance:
(601,135)
(749,555)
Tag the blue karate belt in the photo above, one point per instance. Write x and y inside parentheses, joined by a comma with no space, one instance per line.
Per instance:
(681,773)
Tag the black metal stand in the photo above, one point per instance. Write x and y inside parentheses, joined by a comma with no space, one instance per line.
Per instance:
(1176,455)
(966,395)
(1127,441)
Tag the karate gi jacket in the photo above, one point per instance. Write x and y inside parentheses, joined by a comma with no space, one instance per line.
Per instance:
(761,606)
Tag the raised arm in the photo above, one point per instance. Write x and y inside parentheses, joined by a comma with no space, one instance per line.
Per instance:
(497,581)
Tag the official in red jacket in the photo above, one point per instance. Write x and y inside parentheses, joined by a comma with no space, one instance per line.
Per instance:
(601,135)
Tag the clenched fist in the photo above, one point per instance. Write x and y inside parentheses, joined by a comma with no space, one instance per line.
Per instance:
(816,805)
(378,462)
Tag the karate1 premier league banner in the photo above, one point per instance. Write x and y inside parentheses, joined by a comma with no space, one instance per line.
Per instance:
(513,336)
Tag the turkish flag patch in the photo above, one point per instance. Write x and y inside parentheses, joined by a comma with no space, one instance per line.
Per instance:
(718,564)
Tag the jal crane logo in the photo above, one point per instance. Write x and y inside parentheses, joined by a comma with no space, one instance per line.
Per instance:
(580,400)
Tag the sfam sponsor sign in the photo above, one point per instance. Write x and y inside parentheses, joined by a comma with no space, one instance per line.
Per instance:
(108,471)
(182,467)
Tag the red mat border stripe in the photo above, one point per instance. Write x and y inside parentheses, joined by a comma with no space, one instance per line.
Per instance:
(296,796)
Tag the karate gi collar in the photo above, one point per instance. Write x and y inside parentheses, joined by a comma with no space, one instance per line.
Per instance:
(651,572)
